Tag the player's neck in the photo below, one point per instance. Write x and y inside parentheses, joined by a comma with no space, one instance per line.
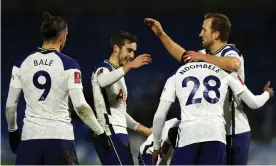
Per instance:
(216,46)
(52,46)
(114,60)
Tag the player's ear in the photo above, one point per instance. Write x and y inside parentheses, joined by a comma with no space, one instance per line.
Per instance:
(216,35)
(116,49)
(63,36)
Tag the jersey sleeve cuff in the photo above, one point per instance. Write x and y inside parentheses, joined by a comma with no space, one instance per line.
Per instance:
(157,145)
(13,129)
(266,94)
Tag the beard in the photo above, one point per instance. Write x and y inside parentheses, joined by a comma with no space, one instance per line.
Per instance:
(207,44)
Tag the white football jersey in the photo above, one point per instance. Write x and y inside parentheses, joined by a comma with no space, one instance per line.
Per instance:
(110,102)
(45,76)
(240,124)
(201,89)
(147,146)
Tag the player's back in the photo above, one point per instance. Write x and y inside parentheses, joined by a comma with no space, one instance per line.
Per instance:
(44,79)
(201,89)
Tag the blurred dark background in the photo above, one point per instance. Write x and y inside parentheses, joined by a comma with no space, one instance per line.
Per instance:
(91,24)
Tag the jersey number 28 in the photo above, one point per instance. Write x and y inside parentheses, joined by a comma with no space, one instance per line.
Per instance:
(208,88)
(46,86)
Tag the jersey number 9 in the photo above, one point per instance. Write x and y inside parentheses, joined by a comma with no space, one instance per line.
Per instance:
(46,86)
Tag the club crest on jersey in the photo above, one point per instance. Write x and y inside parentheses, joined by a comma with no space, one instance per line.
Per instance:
(77,77)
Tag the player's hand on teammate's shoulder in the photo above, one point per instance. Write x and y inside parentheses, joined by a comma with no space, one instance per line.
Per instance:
(269,89)
(192,56)
(155,26)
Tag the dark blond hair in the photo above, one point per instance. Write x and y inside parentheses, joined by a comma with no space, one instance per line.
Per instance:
(220,23)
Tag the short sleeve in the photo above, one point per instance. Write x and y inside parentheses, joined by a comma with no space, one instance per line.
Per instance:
(232,51)
(74,75)
(74,79)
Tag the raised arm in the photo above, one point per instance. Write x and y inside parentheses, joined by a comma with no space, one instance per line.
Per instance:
(106,77)
(172,47)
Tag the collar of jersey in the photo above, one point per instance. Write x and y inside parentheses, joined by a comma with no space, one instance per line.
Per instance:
(44,50)
(221,48)
(111,64)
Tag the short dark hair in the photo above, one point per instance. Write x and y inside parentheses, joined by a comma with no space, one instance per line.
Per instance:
(51,27)
(221,23)
(121,37)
